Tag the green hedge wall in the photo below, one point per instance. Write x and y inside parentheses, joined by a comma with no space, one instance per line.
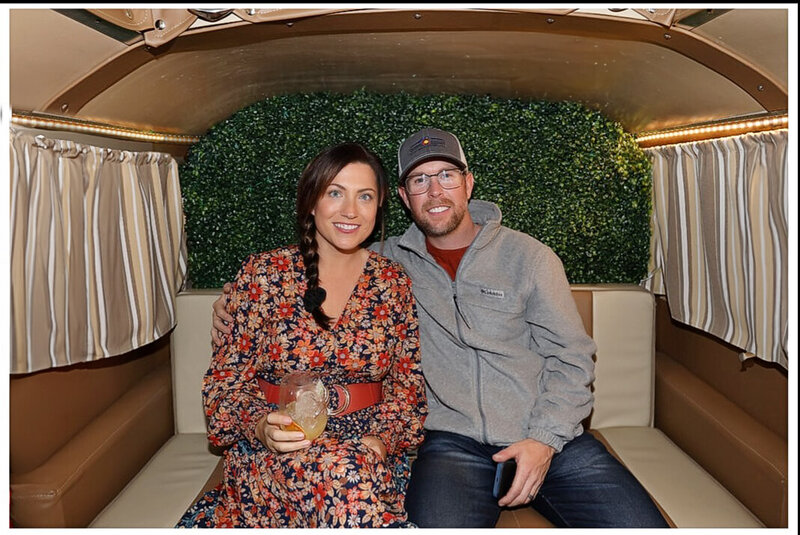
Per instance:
(559,171)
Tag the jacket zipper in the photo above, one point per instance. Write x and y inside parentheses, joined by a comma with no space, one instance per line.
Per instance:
(484,433)
(455,300)
(478,391)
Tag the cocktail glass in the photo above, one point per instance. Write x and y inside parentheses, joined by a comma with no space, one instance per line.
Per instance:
(304,398)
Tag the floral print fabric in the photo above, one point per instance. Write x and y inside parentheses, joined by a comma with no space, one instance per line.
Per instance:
(337,481)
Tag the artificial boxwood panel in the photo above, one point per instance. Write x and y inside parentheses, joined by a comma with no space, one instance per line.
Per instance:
(562,173)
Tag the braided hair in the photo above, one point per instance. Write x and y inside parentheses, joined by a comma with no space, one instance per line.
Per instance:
(316,177)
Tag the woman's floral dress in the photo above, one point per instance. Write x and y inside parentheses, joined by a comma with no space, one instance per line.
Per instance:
(337,481)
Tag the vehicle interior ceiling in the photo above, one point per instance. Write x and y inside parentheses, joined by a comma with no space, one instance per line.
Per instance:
(180,71)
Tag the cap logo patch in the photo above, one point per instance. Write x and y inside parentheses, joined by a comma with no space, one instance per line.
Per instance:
(425,143)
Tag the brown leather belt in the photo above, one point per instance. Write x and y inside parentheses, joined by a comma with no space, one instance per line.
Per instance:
(352,397)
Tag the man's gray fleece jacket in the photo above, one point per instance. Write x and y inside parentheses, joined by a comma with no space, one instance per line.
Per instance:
(504,352)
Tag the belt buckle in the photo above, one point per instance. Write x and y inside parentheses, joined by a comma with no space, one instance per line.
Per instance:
(344,395)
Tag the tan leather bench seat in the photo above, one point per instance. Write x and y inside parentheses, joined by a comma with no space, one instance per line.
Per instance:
(620,318)
(162,491)
(103,420)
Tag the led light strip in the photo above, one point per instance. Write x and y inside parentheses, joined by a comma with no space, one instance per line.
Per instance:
(713,131)
(53,123)
(646,139)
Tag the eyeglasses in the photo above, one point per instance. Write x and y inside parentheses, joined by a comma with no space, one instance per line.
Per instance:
(447,178)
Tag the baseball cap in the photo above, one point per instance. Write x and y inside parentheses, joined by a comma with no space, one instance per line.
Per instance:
(429,144)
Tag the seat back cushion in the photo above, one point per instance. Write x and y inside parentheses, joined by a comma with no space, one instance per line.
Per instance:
(623,327)
(191,355)
(620,318)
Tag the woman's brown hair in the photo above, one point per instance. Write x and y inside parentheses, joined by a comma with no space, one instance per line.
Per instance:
(316,177)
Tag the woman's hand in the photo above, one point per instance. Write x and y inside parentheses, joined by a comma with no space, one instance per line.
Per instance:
(269,432)
(376,445)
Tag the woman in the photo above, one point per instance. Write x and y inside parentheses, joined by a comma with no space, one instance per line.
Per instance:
(327,304)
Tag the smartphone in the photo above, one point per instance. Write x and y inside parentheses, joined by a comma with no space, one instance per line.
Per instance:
(503,477)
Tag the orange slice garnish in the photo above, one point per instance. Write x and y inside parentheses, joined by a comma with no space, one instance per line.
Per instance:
(293,427)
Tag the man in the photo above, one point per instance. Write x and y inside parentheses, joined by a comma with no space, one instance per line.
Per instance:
(507,362)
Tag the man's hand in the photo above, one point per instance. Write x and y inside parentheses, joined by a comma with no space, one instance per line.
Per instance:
(220,319)
(533,461)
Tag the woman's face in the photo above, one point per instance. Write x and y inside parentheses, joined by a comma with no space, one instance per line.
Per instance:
(345,214)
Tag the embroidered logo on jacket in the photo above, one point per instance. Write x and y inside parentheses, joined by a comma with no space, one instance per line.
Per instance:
(499,294)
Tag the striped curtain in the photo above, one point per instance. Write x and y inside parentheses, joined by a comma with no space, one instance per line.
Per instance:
(719,245)
(97,250)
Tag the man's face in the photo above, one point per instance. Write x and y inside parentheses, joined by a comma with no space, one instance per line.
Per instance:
(438,211)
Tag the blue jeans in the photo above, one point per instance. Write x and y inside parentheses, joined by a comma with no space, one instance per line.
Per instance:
(452,478)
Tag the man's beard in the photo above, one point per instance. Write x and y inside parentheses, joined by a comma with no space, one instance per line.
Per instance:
(443,228)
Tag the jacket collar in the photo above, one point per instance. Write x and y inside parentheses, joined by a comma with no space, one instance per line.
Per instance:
(484,213)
